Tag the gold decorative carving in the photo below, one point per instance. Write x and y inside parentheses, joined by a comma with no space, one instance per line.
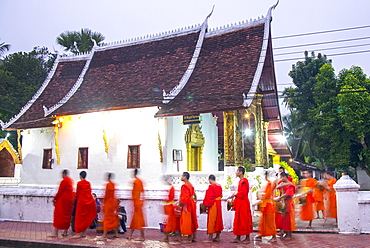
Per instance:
(229,159)
(194,140)
(6,145)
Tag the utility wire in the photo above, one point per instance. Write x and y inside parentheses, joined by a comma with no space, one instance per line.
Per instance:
(328,55)
(320,32)
(321,43)
(330,48)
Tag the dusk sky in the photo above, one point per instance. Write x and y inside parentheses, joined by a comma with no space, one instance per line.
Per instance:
(25,24)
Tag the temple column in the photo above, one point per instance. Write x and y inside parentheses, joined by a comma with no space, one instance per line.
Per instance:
(265,154)
(238,138)
(229,158)
(260,142)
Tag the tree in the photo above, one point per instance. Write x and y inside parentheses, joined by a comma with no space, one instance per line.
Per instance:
(21,75)
(300,100)
(341,117)
(4,48)
(79,42)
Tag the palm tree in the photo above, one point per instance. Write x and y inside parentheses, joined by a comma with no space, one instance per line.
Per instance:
(4,48)
(79,42)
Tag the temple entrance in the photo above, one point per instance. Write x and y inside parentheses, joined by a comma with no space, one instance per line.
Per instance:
(194,145)
(6,164)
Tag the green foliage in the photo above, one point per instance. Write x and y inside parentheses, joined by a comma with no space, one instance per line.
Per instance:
(79,42)
(3,48)
(247,164)
(229,182)
(258,185)
(21,75)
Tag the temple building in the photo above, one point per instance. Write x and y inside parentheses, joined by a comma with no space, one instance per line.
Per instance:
(194,99)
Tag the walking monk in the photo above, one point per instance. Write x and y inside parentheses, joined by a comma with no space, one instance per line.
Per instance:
(63,202)
(318,195)
(243,215)
(212,200)
(85,206)
(188,218)
(267,225)
(173,222)
(110,207)
(288,219)
(137,221)
(331,198)
(307,188)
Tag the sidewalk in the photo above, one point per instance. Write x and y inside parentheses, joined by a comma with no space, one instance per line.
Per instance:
(26,234)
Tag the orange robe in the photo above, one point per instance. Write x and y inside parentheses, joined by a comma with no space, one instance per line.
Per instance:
(64,200)
(278,216)
(188,218)
(331,200)
(318,195)
(212,200)
(267,225)
(110,207)
(85,207)
(173,222)
(307,209)
(137,221)
(288,219)
(243,215)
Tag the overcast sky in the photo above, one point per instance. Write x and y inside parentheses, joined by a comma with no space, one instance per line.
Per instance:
(28,23)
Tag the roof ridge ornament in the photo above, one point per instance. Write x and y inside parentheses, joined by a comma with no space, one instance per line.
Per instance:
(257,76)
(35,96)
(167,97)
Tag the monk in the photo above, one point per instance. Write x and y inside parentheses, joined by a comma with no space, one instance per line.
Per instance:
(137,221)
(173,221)
(288,217)
(243,215)
(188,218)
(85,206)
(212,200)
(110,207)
(63,202)
(318,195)
(331,198)
(267,225)
(307,187)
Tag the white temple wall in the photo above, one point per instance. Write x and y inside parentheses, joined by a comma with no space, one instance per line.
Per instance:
(122,127)
(176,140)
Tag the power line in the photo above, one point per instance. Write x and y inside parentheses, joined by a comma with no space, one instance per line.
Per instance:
(328,55)
(320,32)
(321,43)
(330,48)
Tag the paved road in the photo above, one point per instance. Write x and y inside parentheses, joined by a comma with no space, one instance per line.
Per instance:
(25,234)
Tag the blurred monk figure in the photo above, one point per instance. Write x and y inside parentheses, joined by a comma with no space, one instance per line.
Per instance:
(318,195)
(307,187)
(110,207)
(137,221)
(173,220)
(212,200)
(288,217)
(243,215)
(63,202)
(188,218)
(85,206)
(331,198)
(267,225)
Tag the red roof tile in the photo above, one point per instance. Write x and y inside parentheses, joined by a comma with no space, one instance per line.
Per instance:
(132,76)
(63,79)
(225,70)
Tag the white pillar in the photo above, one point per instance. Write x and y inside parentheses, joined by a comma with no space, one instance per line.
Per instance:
(347,206)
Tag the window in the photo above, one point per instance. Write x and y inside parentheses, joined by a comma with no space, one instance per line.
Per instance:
(133,157)
(82,158)
(47,160)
